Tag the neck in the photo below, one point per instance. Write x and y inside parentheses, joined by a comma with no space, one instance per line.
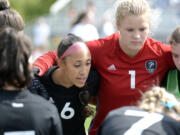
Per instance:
(127,51)
(59,77)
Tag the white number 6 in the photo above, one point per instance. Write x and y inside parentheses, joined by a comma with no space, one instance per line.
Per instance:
(67,109)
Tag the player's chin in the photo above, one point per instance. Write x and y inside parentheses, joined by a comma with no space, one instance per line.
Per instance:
(138,47)
(80,84)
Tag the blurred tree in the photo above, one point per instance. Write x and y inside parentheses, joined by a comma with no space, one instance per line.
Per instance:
(31,9)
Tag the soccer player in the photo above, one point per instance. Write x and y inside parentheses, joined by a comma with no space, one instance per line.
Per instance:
(22,113)
(172,78)
(158,113)
(65,84)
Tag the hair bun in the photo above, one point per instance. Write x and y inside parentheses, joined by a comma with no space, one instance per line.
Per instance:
(4,4)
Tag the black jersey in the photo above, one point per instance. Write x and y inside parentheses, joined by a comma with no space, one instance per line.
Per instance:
(134,121)
(24,113)
(66,100)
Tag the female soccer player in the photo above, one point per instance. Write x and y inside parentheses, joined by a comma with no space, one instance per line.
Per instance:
(158,113)
(65,84)
(22,112)
(172,79)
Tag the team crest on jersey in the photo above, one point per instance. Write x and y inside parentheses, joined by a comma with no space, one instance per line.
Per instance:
(151,66)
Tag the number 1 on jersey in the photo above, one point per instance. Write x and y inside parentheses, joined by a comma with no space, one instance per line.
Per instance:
(132,73)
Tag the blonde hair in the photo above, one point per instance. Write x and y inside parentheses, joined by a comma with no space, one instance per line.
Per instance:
(157,100)
(132,7)
(175,36)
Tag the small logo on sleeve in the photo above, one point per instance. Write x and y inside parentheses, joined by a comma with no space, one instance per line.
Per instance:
(151,66)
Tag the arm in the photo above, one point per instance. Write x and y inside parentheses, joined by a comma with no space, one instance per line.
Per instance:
(94,50)
(38,88)
(44,62)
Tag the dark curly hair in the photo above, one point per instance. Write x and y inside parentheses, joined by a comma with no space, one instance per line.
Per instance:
(84,97)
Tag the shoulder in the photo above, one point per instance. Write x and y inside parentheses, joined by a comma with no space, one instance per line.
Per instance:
(156,44)
(170,125)
(110,126)
(41,102)
(48,74)
(35,98)
(117,113)
(107,41)
(157,47)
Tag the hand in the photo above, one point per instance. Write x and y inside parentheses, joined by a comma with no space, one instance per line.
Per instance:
(36,71)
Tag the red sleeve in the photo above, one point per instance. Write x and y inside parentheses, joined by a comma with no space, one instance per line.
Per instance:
(44,62)
(97,47)
(94,49)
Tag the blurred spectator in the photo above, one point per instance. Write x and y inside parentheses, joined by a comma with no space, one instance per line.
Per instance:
(163,3)
(107,25)
(72,13)
(41,34)
(83,28)
(91,10)
(174,2)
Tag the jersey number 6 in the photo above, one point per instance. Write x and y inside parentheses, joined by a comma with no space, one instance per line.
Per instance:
(67,112)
